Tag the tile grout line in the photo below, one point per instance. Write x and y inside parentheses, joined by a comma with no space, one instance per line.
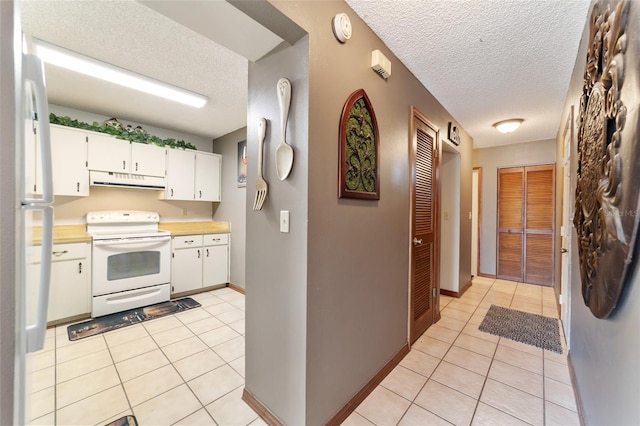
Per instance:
(486,377)
(412,402)
(121,383)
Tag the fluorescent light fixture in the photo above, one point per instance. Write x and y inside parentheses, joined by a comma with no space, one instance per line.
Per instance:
(508,126)
(73,61)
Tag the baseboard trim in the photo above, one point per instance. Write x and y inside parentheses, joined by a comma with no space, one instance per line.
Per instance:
(456,294)
(576,390)
(257,406)
(492,276)
(357,399)
(466,287)
(236,288)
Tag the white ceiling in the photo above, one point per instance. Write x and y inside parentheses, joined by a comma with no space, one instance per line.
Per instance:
(484,60)
(130,35)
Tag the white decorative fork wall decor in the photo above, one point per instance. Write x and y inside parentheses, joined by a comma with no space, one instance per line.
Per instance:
(261,185)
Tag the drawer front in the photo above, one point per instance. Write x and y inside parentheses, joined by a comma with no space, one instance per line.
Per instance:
(62,252)
(216,239)
(187,241)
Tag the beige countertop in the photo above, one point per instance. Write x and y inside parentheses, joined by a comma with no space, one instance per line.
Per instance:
(78,233)
(191,228)
(64,234)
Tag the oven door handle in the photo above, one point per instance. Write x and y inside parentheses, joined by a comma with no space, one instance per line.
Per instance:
(148,241)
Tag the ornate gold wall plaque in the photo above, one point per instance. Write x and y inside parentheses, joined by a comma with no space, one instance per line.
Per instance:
(606,199)
(358,167)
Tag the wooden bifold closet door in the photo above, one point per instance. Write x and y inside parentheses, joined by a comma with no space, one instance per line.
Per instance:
(526,210)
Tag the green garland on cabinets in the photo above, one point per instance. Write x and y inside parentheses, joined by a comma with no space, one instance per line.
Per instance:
(124,133)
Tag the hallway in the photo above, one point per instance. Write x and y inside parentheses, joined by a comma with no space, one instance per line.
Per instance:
(458,375)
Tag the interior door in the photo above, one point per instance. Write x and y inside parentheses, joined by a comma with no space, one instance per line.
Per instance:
(424,225)
(539,189)
(567,213)
(510,223)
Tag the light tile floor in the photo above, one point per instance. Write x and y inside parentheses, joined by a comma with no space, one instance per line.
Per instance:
(188,369)
(456,374)
(183,369)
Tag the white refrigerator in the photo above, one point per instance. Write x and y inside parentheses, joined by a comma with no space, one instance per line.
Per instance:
(30,253)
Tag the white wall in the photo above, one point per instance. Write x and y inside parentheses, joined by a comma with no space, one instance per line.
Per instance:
(232,209)
(72,210)
(450,221)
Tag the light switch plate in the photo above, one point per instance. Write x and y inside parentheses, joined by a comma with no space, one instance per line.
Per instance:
(284,220)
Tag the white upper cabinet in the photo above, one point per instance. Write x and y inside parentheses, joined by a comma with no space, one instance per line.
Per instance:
(207,182)
(148,160)
(180,174)
(193,175)
(108,154)
(69,158)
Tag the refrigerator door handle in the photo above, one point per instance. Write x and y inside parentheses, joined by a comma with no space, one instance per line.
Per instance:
(33,71)
(36,332)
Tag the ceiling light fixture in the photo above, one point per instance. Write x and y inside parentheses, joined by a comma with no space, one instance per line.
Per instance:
(508,126)
(73,61)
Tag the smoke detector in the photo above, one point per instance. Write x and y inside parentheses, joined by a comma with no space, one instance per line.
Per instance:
(341,25)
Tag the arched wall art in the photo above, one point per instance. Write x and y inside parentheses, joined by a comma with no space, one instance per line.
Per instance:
(358,167)
(608,182)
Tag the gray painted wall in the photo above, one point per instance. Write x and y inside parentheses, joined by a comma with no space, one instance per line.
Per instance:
(8,207)
(491,159)
(605,353)
(351,272)
(232,209)
(276,273)
(358,251)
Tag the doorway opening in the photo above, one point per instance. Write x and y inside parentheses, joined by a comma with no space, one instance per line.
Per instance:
(450,221)
(476,200)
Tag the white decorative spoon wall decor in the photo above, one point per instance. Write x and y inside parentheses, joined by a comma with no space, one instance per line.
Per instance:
(284,152)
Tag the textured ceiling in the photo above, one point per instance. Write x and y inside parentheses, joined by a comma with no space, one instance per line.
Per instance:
(132,36)
(486,60)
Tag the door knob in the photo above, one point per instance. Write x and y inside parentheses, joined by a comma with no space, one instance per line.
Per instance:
(417,242)
(563,250)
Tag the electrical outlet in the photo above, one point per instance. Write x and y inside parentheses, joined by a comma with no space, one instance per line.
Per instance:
(184,212)
(284,220)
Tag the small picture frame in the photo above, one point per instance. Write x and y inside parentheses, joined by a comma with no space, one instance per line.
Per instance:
(452,134)
(358,160)
(242,164)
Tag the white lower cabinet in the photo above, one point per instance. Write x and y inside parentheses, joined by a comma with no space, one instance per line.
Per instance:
(70,290)
(186,263)
(215,261)
(199,261)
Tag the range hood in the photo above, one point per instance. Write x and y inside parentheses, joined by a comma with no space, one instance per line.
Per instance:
(125,180)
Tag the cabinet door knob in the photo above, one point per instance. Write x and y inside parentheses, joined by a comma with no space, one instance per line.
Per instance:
(200,192)
(198,254)
(207,252)
(172,192)
(59,253)
(79,267)
(77,186)
(136,166)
